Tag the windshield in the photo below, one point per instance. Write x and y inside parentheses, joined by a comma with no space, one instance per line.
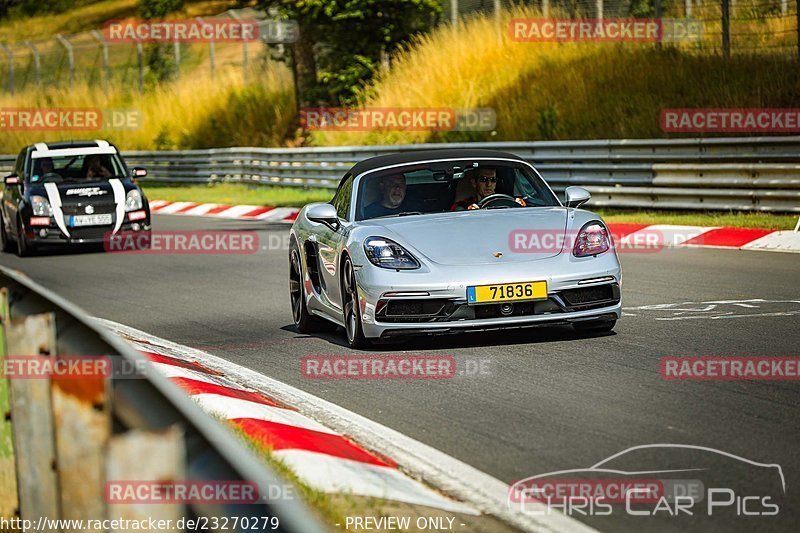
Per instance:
(450,187)
(90,167)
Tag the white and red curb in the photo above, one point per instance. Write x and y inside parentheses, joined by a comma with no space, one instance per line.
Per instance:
(669,236)
(627,235)
(322,458)
(241,212)
(274,413)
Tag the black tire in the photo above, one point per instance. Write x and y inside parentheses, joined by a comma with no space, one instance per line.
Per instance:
(24,248)
(303,320)
(6,243)
(595,326)
(352,314)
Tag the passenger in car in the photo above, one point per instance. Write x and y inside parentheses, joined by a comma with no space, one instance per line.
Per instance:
(94,167)
(393,196)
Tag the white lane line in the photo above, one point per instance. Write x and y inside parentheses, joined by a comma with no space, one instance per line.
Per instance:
(458,479)
(335,474)
(230,408)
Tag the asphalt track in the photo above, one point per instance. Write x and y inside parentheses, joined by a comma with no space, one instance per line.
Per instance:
(548,400)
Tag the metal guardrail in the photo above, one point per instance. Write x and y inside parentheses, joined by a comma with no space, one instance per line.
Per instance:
(71,436)
(747,174)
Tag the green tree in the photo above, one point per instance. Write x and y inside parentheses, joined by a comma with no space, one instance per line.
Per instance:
(341,42)
(160,62)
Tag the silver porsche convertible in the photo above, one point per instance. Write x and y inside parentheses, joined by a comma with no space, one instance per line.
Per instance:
(442,241)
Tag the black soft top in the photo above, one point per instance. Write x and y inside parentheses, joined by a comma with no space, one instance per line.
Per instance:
(427,155)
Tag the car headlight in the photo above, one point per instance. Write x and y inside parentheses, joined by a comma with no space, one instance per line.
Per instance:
(386,253)
(133,201)
(592,239)
(41,207)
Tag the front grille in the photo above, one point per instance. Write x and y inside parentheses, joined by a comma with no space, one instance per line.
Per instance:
(90,233)
(423,310)
(587,295)
(80,209)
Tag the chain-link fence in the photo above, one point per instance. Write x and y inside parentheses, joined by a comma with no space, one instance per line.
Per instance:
(728,26)
(95,59)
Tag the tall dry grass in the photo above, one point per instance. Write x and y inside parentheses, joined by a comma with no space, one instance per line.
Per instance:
(564,90)
(195,112)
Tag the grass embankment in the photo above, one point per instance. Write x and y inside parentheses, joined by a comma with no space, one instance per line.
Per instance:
(236,194)
(545,91)
(230,193)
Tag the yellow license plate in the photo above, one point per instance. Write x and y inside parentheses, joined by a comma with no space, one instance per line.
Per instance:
(507,292)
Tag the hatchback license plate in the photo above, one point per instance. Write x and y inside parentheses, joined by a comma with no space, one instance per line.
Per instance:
(90,220)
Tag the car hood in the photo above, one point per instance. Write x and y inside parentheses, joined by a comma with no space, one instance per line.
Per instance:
(476,237)
(83,192)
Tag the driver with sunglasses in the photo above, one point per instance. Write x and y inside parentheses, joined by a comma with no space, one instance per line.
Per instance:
(484,181)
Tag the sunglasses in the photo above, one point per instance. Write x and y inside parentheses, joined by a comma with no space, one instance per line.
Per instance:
(484,179)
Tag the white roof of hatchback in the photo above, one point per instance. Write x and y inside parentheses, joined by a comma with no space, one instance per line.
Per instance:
(41,150)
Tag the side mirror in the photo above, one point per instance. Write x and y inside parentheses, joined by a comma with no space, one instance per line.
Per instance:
(138,172)
(324,214)
(576,196)
(11,179)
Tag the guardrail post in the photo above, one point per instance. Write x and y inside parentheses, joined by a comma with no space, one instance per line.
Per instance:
(32,419)
(70,57)
(10,56)
(37,64)
(140,63)
(106,69)
(146,456)
(8,478)
(238,18)
(726,29)
(176,46)
(82,420)
(211,50)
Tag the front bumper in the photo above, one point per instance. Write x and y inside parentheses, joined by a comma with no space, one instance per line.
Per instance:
(442,292)
(52,235)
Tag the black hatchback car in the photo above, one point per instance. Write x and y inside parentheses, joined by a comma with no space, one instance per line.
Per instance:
(70,193)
